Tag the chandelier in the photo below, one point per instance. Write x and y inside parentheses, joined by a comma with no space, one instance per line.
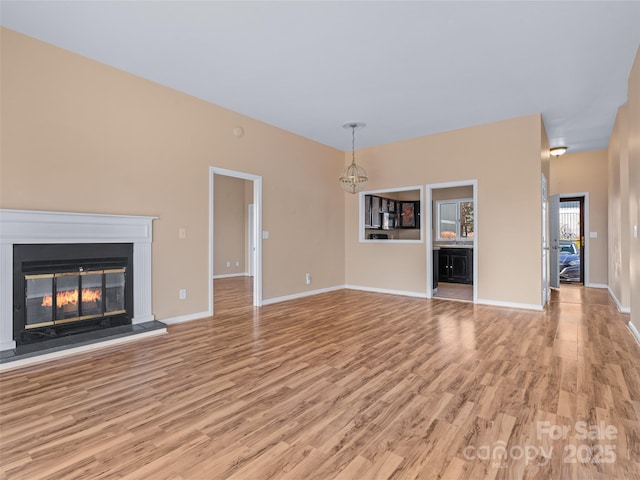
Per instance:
(353,178)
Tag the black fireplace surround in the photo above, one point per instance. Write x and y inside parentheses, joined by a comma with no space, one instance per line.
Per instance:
(64,289)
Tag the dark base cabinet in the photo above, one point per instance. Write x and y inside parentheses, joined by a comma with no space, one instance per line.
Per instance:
(455,265)
(436,271)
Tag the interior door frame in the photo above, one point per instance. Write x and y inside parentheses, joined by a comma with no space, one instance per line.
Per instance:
(251,248)
(554,241)
(429,232)
(546,250)
(257,202)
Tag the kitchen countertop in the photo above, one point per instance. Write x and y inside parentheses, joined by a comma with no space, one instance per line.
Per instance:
(452,246)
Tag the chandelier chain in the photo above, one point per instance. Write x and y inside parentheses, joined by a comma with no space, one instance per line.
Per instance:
(353,145)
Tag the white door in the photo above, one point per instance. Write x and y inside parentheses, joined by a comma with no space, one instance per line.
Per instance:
(546,291)
(554,234)
(252,241)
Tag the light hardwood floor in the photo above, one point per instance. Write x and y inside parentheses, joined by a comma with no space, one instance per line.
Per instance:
(342,385)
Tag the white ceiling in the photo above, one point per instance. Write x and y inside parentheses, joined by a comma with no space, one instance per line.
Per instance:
(407,69)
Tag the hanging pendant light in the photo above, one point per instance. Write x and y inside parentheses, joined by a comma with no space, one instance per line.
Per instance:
(353,178)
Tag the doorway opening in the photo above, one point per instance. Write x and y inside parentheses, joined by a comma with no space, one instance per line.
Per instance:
(235,249)
(571,259)
(452,263)
(569,252)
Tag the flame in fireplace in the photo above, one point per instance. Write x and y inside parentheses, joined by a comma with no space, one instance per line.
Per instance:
(71,297)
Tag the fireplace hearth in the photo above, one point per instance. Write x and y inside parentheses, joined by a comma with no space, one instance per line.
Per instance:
(65,289)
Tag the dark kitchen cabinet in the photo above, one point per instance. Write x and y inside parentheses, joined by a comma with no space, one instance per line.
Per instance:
(455,265)
(409,214)
(388,214)
(436,273)
(380,213)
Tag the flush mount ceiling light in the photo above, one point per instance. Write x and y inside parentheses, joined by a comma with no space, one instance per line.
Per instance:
(353,178)
(557,151)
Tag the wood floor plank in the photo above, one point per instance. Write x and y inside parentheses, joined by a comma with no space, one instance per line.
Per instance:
(341,385)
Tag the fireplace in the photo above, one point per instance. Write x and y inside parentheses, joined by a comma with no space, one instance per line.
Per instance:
(96,240)
(64,289)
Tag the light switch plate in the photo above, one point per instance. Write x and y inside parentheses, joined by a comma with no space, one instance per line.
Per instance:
(593,234)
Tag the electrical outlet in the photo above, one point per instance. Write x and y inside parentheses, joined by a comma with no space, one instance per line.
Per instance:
(182,293)
(182,233)
(237,263)
(228,264)
(308,278)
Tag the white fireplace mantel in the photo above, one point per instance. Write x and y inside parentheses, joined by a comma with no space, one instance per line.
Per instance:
(39,227)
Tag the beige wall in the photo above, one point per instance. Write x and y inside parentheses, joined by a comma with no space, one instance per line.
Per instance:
(78,135)
(545,157)
(624,201)
(230,225)
(618,202)
(509,204)
(587,172)
(634,188)
(146,149)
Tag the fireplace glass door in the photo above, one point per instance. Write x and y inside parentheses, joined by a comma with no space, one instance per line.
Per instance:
(91,294)
(114,288)
(65,297)
(39,304)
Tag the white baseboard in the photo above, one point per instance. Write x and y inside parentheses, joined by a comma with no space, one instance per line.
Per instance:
(185,318)
(75,350)
(634,331)
(424,295)
(229,275)
(597,285)
(619,306)
(496,303)
(387,290)
(269,301)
